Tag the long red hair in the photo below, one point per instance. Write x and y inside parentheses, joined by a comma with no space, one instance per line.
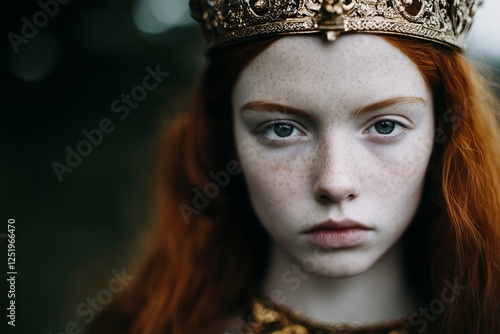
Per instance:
(204,265)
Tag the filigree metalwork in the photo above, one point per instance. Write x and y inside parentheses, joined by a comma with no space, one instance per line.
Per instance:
(442,21)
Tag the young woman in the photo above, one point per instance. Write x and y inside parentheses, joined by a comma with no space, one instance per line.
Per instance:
(346,186)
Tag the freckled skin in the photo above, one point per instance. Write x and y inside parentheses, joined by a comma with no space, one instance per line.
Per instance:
(334,166)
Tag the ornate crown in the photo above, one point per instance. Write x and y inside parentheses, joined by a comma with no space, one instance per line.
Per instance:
(442,21)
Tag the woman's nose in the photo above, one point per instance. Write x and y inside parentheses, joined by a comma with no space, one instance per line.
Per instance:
(335,176)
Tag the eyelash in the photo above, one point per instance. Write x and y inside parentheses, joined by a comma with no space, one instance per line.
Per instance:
(388,138)
(262,129)
(261,132)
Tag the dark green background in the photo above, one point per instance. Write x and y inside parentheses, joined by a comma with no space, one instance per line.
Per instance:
(71,235)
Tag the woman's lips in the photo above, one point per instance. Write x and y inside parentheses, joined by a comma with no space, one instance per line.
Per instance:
(342,234)
(342,238)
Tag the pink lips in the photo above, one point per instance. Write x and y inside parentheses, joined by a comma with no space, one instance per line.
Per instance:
(341,234)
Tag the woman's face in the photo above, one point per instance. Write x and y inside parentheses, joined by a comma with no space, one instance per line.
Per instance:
(334,140)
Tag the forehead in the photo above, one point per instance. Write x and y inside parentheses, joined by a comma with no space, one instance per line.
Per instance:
(310,73)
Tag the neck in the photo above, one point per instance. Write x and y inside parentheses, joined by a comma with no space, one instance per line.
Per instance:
(380,293)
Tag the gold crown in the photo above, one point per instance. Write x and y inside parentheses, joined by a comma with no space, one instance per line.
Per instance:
(226,21)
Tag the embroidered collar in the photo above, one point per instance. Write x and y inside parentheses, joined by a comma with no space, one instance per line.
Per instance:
(272,318)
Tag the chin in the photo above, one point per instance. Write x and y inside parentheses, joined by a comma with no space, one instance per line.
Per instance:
(341,272)
(338,266)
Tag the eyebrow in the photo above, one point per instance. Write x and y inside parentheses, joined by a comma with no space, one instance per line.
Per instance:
(388,103)
(270,107)
(276,107)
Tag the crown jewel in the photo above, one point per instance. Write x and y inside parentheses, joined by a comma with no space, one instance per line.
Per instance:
(442,21)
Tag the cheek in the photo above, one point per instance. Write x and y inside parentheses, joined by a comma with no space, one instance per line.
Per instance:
(413,162)
(276,182)
(397,179)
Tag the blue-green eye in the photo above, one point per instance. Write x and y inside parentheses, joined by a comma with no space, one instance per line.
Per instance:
(386,130)
(279,132)
(283,130)
(385,127)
